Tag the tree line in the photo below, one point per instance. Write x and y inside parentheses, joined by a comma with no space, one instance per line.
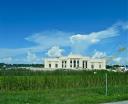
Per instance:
(2,65)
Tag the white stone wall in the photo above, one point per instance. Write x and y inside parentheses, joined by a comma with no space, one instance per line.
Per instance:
(97,63)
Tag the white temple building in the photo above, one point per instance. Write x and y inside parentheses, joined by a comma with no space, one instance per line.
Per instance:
(75,62)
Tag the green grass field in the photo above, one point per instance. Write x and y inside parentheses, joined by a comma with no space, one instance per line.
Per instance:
(61,87)
(59,96)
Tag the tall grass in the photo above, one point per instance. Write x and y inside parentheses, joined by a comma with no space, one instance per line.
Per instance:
(22,79)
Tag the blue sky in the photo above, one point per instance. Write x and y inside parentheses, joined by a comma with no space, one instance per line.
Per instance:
(31,30)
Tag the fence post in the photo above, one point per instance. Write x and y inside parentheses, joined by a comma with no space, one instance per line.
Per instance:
(106,84)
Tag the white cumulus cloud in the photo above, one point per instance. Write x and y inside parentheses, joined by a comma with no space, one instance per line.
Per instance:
(55,51)
(99,54)
(95,37)
(31,57)
(78,43)
(51,38)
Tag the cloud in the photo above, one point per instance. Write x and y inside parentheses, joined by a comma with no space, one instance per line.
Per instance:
(117,59)
(81,42)
(43,42)
(55,51)
(95,37)
(51,41)
(6,52)
(6,60)
(99,54)
(125,27)
(51,38)
(32,58)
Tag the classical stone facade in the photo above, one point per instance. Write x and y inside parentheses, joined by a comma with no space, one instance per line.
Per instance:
(74,62)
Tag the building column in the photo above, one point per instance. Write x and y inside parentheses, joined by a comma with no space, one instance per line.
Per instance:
(68,63)
(80,63)
(72,63)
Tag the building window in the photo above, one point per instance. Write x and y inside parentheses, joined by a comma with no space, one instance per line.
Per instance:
(71,66)
(100,66)
(77,63)
(83,64)
(86,64)
(62,64)
(65,63)
(49,65)
(92,66)
(74,63)
(56,65)
(70,61)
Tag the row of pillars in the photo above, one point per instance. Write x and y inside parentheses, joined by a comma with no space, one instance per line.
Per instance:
(75,64)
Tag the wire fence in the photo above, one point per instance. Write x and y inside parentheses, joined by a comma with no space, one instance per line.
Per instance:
(103,82)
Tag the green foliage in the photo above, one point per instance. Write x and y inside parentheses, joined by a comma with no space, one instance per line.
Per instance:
(60,96)
(2,65)
(22,79)
(61,86)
